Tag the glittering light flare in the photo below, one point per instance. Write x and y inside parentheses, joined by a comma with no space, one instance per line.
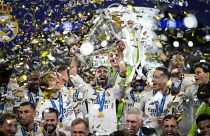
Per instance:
(163,37)
(207,37)
(190,21)
(70,40)
(86,48)
(104,43)
(44,53)
(190,44)
(176,44)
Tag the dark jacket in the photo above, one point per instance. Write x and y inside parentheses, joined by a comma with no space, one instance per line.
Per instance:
(2,134)
(149,131)
(145,131)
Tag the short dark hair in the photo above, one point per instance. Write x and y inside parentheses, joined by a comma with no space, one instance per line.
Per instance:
(4,117)
(62,68)
(164,70)
(29,103)
(5,70)
(101,67)
(202,117)
(204,65)
(50,110)
(79,121)
(171,116)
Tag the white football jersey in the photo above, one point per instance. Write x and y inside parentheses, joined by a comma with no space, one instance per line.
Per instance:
(185,83)
(68,111)
(107,123)
(22,95)
(148,106)
(77,100)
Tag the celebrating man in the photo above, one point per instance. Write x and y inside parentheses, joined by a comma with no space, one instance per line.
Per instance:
(8,124)
(101,99)
(158,102)
(50,118)
(27,114)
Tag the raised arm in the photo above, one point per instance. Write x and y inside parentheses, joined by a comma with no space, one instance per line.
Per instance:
(73,61)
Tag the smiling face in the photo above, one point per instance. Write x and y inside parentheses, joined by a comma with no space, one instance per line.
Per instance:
(50,122)
(201,77)
(130,23)
(170,127)
(159,80)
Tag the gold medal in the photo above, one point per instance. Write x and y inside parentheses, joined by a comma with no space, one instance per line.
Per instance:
(61,125)
(100,114)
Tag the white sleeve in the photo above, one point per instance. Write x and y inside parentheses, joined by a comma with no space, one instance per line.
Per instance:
(191,91)
(79,83)
(140,103)
(119,87)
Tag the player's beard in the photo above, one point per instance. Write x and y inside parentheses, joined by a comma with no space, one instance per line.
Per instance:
(102,81)
(51,129)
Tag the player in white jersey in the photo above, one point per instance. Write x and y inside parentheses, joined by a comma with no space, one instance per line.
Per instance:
(29,127)
(78,103)
(100,98)
(50,86)
(157,103)
(50,118)
(179,83)
(6,87)
(132,92)
(30,92)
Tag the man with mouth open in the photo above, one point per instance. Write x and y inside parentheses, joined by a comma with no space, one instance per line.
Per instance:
(179,82)
(198,94)
(155,104)
(101,97)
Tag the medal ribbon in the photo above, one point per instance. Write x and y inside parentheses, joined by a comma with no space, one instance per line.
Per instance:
(179,87)
(140,132)
(66,85)
(159,108)
(35,128)
(75,95)
(132,95)
(36,96)
(113,78)
(102,100)
(60,106)
(139,89)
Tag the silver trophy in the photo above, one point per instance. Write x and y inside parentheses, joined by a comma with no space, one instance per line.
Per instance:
(102,38)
